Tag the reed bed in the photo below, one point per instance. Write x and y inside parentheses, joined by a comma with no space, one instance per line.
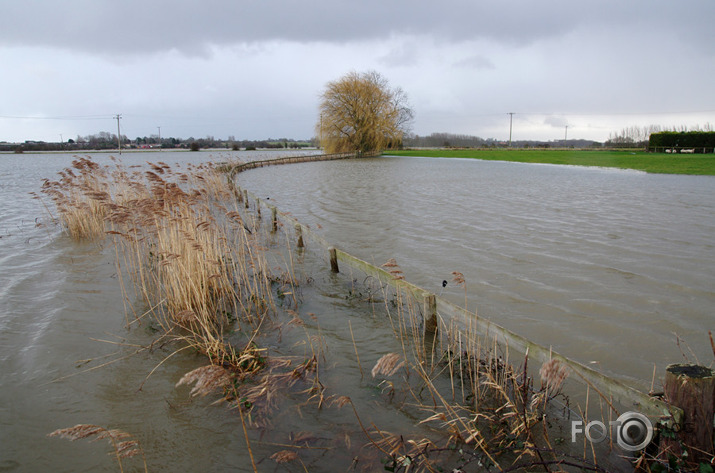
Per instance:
(78,196)
(184,251)
(189,256)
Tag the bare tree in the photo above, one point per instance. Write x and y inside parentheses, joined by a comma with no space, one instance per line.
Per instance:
(632,136)
(360,112)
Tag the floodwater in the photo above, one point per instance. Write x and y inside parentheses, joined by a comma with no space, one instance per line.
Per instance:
(604,265)
(62,321)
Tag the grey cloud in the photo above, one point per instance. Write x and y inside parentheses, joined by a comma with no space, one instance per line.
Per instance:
(400,56)
(191,26)
(556,121)
(476,61)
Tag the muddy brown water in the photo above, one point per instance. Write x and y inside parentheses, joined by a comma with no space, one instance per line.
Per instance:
(604,265)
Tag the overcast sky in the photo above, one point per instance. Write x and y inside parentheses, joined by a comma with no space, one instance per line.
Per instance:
(254,69)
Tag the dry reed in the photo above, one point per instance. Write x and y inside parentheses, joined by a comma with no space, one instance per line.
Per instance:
(183,244)
(181,240)
(479,409)
(79,196)
(123,446)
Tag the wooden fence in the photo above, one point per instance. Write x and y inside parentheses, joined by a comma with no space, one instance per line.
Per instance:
(235,169)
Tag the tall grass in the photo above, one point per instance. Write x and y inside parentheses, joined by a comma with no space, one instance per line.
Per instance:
(189,255)
(181,240)
(78,196)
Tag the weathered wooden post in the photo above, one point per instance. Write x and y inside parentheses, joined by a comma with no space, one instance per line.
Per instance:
(274,219)
(258,208)
(239,194)
(430,321)
(333,260)
(692,389)
(245,197)
(299,234)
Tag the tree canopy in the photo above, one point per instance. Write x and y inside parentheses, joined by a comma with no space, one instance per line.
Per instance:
(361,112)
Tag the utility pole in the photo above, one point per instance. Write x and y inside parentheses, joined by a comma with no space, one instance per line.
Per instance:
(159,128)
(61,141)
(119,133)
(566,134)
(511,118)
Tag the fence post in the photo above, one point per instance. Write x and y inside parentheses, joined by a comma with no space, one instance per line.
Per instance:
(258,208)
(274,218)
(430,321)
(692,389)
(245,197)
(333,260)
(299,234)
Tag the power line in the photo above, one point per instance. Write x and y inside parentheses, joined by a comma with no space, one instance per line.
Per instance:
(216,118)
(78,117)
(609,114)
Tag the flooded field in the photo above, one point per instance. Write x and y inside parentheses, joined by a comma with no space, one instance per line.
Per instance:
(604,265)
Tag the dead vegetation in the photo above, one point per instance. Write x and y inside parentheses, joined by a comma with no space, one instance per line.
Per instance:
(123,445)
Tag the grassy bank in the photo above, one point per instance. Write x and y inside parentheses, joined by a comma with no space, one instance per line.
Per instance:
(700,164)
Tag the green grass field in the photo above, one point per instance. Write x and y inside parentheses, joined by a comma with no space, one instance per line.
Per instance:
(701,164)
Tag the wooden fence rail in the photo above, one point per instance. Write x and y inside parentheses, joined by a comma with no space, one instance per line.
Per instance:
(235,169)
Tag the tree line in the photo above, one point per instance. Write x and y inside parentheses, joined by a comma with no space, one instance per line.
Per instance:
(452,140)
(108,141)
(638,137)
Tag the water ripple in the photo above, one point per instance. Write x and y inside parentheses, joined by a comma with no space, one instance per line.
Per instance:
(601,264)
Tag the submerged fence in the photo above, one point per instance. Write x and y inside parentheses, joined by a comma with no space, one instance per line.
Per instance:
(436,308)
(237,168)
